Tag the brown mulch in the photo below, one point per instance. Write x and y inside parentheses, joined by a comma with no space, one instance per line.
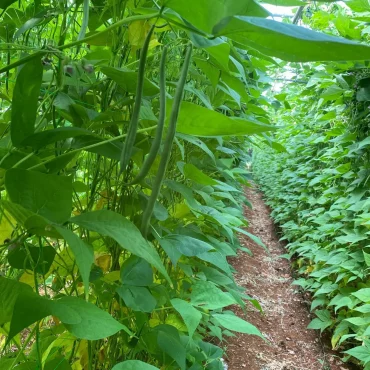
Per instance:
(267,277)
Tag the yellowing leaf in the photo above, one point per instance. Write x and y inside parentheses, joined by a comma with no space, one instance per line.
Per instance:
(137,32)
(174,320)
(103,262)
(6,226)
(154,43)
(111,277)
(154,322)
(180,210)
(28,278)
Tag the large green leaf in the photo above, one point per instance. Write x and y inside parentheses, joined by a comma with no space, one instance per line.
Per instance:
(136,271)
(38,258)
(170,343)
(5,3)
(363,294)
(41,139)
(25,98)
(134,365)
(9,291)
(81,318)
(128,80)
(83,252)
(190,315)
(288,41)
(95,323)
(137,298)
(235,323)
(125,233)
(198,121)
(204,14)
(187,245)
(205,294)
(193,173)
(47,195)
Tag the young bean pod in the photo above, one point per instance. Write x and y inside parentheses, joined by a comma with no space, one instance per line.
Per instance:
(162,115)
(134,122)
(167,147)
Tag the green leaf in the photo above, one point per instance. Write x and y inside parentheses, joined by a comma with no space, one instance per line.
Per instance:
(25,98)
(235,323)
(134,365)
(81,318)
(170,343)
(49,196)
(83,252)
(137,298)
(187,245)
(193,173)
(363,294)
(362,353)
(42,258)
(9,291)
(136,271)
(204,14)
(128,80)
(5,3)
(95,323)
(288,41)
(366,258)
(198,121)
(41,139)
(205,294)
(189,314)
(125,233)
(284,2)
(30,307)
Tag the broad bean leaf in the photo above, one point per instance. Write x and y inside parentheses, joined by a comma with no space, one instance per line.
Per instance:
(44,138)
(189,314)
(198,121)
(83,252)
(124,232)
(206,294)
(128,79)
(137,298)
(83,319)
(47,195)
(170,343)
(288,41)
(204,14)
(235,323)
(25,99)
(137,272)
(9,291)
(134,365)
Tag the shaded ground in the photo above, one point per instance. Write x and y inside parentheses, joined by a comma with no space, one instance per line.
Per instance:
(267,278)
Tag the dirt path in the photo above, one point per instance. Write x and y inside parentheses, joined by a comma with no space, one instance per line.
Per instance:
(267,278)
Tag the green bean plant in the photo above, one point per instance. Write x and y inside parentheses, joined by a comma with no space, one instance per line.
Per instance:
(317,182)
(123,133)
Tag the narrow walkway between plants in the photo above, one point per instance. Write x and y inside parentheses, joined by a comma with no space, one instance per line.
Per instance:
(267,278)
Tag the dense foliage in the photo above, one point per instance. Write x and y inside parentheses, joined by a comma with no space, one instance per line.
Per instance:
(123,131)
(317,183)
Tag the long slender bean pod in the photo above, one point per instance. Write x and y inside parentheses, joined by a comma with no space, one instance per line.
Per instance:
(162,116)
(167,148)
(85,20)
(134,122)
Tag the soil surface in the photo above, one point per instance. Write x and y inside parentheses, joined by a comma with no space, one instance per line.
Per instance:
(267,277)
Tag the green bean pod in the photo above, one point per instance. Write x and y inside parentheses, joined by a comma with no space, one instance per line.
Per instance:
(154,149)
(167,148)
(134,122)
